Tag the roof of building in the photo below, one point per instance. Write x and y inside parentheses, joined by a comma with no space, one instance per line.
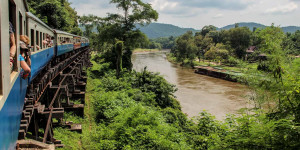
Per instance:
(251,49)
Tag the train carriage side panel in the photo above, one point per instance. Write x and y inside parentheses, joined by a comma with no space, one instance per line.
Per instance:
(77,43)
(12,86)
(64,42)
(38,33)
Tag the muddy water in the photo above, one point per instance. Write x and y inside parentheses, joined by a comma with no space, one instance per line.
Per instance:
(196,92)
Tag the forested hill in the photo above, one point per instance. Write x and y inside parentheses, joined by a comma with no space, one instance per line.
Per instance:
(251,25)
(156,30)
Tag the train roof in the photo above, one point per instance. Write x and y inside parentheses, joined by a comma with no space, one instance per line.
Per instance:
(32,16)
(63,32)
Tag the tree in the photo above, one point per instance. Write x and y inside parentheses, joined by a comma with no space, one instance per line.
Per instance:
(239,39)
(119,46)
(203,45)
(186,48)
(88,22)
(207,29)
(58,14)
(217,52)
(134,12)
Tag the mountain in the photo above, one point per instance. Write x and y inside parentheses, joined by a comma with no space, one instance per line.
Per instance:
(156,30)
(250,25)
(290,29)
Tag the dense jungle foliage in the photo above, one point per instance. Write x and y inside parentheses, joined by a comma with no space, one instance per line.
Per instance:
(58,14)
(227,45)
(137,110)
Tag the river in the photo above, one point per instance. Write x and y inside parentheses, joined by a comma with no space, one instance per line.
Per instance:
(196,92)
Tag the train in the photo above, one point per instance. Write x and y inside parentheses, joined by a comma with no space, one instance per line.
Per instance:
(13,87)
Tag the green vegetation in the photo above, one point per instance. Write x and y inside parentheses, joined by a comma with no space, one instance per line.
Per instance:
(158,30)
(121,27)
(272,72)
(229,46)
(58,14)
(140,50)
(137,110)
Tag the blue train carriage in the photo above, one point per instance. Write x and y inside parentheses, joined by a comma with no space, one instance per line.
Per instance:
(84,42)
(42,42)
(64,42)
(87,42)
(12,86)
(77,42)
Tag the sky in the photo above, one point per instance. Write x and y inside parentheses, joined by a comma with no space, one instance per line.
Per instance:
(198,13)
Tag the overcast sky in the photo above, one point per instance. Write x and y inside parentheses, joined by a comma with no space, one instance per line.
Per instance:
(198,13)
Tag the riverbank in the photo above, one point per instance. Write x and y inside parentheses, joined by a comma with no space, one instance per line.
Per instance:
(196,92)
(233,74)
(129,113)
(140,50)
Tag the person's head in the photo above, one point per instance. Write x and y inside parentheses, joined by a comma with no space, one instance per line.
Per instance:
(25,39)
(23,47)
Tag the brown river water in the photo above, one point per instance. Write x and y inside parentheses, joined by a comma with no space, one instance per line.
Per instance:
(196,92)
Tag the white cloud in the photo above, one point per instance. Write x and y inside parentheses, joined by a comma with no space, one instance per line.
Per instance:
(218,16)
(283,9)
(198,13)
(163,4)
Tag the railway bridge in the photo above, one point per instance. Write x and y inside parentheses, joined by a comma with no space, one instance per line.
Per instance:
(50,95)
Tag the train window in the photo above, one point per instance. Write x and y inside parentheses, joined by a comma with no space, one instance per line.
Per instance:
(37,40)
(13,21)
(32,38)
(41,40)
(25,28)
(21,23)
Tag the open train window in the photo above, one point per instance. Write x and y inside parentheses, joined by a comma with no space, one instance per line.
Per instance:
(37,40)
(32,38)
(41,40)
(25,28)
(21,24)
(44,45)
(13,21)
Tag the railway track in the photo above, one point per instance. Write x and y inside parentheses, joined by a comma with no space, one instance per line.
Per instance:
(50,94)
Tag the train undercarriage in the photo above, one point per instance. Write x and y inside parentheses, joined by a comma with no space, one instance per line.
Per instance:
(50,95)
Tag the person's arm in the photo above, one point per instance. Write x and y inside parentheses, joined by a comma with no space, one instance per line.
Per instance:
(25,67)
(13,47)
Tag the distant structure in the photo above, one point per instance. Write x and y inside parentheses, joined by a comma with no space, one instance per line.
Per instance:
(250,51)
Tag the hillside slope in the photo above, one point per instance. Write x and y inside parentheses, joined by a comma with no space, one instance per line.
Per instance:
(156,30)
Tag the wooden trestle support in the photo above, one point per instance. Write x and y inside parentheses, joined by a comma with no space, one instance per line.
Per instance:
(48,97)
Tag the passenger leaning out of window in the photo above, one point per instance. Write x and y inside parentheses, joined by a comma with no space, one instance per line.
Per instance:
(24,56)
(13,47)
